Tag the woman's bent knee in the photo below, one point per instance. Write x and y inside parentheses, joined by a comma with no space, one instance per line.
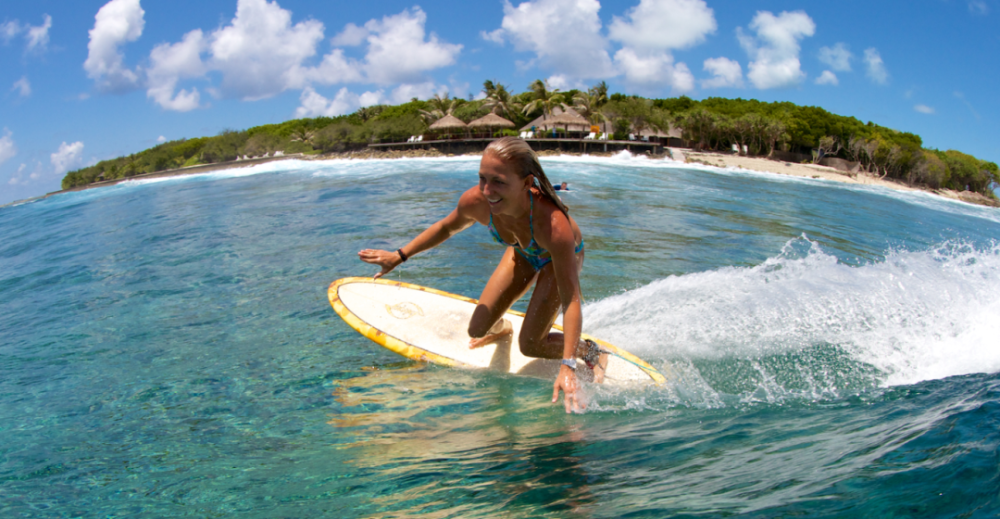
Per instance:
(530,346)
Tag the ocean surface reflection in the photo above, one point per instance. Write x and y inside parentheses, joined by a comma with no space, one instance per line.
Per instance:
(168,350)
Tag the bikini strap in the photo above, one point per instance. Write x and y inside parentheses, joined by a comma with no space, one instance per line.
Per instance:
(531,217)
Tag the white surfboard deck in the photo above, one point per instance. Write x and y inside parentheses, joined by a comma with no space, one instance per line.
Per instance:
(429,325)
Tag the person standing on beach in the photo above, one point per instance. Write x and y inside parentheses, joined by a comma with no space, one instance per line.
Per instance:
(544,248)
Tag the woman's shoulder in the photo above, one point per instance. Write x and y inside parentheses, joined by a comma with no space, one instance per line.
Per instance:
(474,203)
(550,212)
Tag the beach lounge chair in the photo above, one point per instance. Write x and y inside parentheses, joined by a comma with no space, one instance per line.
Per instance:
(531,135)
(419,138)
(631,136)
(590,136)
(604,136)
(645,138)
(411,138)
(524,135)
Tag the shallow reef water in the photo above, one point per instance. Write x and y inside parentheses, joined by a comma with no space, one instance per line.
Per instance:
(168,350)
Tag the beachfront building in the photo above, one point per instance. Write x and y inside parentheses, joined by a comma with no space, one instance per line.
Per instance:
(448,127)
(568,120)
(488,125)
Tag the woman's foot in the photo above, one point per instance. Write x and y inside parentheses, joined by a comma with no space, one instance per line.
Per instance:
(596,359)
(500,330)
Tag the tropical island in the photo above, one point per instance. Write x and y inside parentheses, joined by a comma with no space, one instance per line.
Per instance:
(714,131)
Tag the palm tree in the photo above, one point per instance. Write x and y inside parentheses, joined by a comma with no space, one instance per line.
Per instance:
(489,87)
(500,101)
(589,106)
(544,98)
(600,92)
(440,106)
(303,135)
(367,112)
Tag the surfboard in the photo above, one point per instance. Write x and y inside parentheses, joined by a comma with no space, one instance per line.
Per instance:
(429,325)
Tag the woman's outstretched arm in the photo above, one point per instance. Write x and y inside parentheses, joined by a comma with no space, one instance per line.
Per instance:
(457,221)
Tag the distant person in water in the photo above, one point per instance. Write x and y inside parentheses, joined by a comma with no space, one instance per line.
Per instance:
(562,187)
(546,252)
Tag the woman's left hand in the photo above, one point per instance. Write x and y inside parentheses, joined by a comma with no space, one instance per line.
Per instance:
(566,381)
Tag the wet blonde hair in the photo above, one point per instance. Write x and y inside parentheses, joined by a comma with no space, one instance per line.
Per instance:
(517,152)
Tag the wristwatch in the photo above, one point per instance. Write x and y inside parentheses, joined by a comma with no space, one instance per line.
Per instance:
(570,362)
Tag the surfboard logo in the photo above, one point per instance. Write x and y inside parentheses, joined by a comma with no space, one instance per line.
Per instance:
(404,310)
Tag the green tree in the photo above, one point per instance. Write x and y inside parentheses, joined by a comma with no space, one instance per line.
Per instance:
(440,106)
(589,104)
(500,101)
(543,98)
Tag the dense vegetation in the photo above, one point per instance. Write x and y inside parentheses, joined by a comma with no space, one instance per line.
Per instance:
(757,128)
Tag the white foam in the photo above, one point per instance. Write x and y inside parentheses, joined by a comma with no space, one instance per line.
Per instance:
(233,172)
(915,316)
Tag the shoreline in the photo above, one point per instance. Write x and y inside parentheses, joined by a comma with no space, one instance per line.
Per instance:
(713,159)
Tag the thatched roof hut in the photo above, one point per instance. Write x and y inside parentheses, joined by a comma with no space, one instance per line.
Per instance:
(448,122)
(568,119)
(491,120)
(560,118)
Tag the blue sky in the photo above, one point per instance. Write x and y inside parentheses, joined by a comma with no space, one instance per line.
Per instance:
(82,81)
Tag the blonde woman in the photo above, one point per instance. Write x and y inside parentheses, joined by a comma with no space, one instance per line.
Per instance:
(544,248)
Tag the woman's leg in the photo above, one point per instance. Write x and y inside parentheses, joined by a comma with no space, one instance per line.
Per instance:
(509,282)
(535,338)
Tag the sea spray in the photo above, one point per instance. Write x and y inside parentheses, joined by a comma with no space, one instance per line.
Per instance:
(804,325)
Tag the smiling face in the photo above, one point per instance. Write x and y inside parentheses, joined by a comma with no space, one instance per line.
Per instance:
(501,186)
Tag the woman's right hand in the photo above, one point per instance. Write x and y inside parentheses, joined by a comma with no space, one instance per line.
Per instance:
(383,258)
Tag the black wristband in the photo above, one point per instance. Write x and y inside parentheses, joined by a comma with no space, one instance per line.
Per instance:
(401,255)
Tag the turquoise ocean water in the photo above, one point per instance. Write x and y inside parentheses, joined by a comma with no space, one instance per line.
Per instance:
(167,350)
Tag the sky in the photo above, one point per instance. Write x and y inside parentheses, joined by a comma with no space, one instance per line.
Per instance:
(83,81)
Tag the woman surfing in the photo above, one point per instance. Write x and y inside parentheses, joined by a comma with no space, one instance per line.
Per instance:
(544,247)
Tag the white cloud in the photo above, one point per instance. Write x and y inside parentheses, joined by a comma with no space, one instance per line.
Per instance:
(398,51)
(118,22)
(838,57)
(827,78)
(404,93)
(68,156)
(9,30)
(924,109)
(495,36)
(38,37)
(775,50)
(664,24)
(351,36)
(260,53)
(727,72)
(345,102)
(561,82)
(161,139)
(654,70)
(171,62)
(372,98)
(334,68)
(22,86)
(979,7)
(565,35)
(15,179)
(7,147)
(876,67)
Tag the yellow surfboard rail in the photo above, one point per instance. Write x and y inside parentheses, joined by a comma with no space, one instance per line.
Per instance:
(418,354)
